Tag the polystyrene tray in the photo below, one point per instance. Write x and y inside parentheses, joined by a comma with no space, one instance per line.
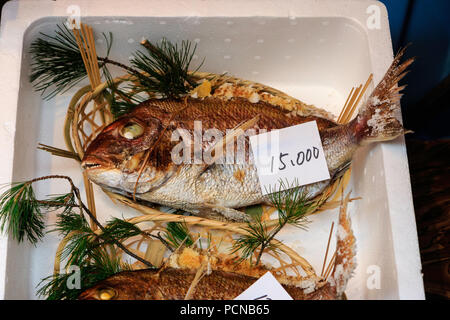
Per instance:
(314,50)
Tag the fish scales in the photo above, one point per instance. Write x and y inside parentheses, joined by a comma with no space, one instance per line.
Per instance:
(225,279)
(217,190)
(214,113)
(173,284)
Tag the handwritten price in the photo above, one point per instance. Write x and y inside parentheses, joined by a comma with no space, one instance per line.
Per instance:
(291,154)
(300,158)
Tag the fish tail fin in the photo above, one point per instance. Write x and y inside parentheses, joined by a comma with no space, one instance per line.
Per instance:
(345,261)
(377,118)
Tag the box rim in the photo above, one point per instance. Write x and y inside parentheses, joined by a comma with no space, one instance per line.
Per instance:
(18,16)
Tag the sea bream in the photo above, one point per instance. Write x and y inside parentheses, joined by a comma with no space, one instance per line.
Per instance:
(220,277)
(138,147)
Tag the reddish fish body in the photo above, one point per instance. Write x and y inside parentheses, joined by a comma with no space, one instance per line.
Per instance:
(173,284)
(224,279)
(115,158)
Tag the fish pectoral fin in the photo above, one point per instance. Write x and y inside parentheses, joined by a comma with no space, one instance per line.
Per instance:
(229,213)
(216,150)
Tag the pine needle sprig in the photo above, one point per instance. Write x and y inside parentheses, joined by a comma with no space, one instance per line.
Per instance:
(21,216)
(65,201)
(83,244)
(101,265)
(70,221)
(57,66)
(293,206)
(56,287)
(121,100)
(176,234)
(120,230)
(95,253)
(75,227)
(92,253)
(165,68)
(20,213)
(79,248)
(56,62)
(257,237)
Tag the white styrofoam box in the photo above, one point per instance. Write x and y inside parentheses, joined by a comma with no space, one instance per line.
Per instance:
(314,50)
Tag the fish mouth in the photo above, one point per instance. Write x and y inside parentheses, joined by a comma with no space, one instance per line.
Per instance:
(86,165)
(92,162)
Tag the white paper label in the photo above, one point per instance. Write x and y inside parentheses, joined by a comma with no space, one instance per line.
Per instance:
(265,288)
(293,155)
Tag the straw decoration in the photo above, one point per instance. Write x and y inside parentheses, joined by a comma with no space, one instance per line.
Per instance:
(85,40)
(353,99)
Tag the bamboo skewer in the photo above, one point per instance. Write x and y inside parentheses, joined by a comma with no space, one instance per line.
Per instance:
(85,40)
(350,105)
(330,266)
(328,246)
(353,108)
(347,108)
(352,101)
(345,105)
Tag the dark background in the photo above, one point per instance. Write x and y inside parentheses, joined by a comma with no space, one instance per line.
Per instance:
(424,24)
(426,111)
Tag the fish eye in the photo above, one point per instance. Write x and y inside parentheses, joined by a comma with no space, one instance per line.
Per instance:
(106,293)
(132,130)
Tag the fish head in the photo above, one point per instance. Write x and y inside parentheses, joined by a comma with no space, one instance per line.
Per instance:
(127,285)
(113,159)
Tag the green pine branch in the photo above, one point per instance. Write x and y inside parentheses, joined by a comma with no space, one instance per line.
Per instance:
(293,206)
(166,68)
(161,68)
(177,234)
(101,265)
(20,213)
(22,216)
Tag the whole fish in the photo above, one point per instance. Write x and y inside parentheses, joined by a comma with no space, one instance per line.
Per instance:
(139,146)
(175,279)
(173,284)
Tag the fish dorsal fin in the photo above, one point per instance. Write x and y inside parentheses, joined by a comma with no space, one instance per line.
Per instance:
(255,92)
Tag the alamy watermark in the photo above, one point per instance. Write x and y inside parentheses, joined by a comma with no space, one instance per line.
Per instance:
(74,280)
(74,19)
(200,146)
(374,20)
(374,279)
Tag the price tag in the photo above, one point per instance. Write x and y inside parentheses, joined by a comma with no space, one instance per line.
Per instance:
(293,154)
(265,288)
